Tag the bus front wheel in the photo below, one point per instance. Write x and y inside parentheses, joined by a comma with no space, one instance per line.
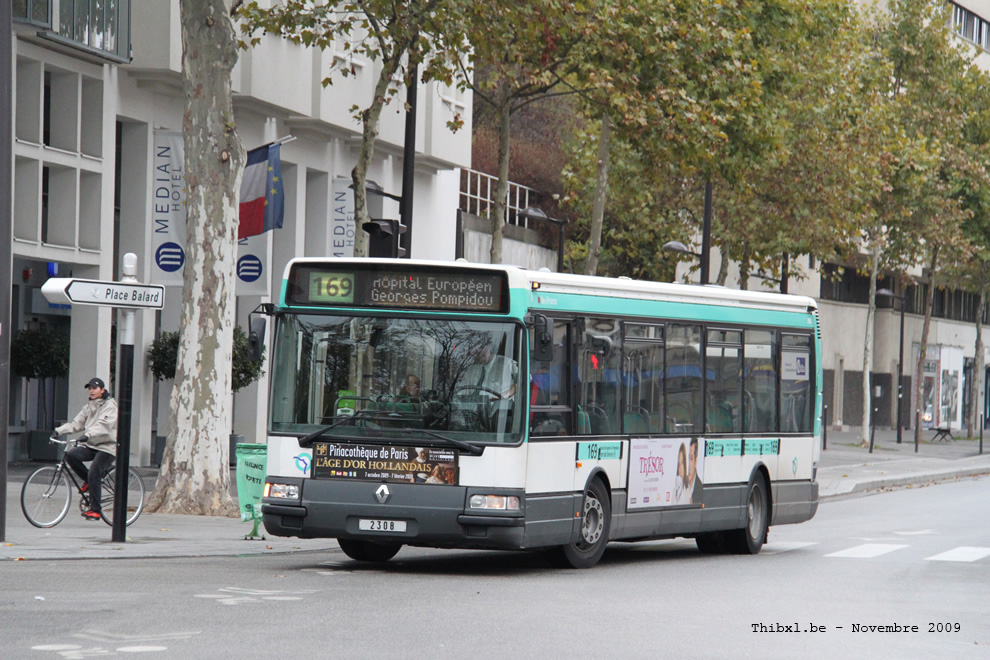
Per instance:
(749,540)
(368,550)
(596,516)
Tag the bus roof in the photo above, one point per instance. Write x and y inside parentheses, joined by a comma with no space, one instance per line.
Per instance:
(622,287)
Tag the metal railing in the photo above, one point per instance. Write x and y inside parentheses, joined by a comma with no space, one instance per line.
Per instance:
(477,197)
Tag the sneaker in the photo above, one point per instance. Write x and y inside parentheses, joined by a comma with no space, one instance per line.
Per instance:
(91,515)
(84,488)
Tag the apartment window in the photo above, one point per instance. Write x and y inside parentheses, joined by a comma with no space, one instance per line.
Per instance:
(33,11)
(100,25)
(969,26)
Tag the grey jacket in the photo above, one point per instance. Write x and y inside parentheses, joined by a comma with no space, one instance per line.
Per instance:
(98,421)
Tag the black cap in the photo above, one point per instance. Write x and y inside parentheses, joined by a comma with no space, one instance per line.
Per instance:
(95,382)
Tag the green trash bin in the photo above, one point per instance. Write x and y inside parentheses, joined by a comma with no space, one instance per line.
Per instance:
(252,464)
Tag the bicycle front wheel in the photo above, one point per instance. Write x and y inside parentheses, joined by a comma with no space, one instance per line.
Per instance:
(135,495)
(45,497)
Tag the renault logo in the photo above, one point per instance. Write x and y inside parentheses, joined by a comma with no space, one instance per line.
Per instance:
(382,494)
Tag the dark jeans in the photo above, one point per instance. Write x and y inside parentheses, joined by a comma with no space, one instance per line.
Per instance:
(101,462)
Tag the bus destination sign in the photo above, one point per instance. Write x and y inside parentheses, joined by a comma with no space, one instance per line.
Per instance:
(415,288)
(424,465)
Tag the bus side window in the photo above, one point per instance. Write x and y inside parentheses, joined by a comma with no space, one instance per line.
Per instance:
(795,384)
(600,375)
(683,376)
(760,381)
(642,376)
(723,363)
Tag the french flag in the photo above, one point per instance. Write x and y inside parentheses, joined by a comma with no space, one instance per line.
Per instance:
(262,198)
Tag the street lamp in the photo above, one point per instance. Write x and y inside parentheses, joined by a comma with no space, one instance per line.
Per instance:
(680,248)
(706,238)
(534,213)
(887,293)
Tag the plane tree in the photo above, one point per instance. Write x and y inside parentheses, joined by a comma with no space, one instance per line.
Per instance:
(194,477)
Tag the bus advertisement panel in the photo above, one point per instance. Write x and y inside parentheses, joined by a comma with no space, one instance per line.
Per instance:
(422,465)
(662,472)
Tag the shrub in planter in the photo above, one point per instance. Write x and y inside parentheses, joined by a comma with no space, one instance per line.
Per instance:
(163,355)
(40,353)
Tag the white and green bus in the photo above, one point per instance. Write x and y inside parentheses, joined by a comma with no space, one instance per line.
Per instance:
(459,405)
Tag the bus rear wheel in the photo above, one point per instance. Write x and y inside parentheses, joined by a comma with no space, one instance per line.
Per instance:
(368,550)
(596,516)
(749,540)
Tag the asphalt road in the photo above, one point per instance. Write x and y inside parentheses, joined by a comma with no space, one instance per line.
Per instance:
(910,557)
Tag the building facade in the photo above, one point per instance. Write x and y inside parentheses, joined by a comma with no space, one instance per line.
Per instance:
(95,82)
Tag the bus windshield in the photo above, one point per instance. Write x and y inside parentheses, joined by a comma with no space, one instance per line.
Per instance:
(392,378)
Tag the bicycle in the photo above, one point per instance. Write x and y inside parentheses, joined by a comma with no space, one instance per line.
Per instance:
(46,495)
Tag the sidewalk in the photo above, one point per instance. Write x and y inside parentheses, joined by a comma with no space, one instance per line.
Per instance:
(151,535)
(844,468)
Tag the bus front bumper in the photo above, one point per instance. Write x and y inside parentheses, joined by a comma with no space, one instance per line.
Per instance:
(411,514)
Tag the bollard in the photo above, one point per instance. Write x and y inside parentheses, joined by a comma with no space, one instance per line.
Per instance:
(982,422)
(873,427)
(825,429)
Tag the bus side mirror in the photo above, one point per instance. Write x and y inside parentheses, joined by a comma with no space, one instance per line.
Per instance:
(256,339)
(542,338)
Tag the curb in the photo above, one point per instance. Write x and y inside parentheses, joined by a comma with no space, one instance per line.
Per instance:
(908,480)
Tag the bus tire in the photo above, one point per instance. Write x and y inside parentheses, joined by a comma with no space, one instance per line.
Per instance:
(596,516)
(749,540)
(368,550)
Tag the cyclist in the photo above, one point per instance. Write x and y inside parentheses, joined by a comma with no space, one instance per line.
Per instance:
(98,443)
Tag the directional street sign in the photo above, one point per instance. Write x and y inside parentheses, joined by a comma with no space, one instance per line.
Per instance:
(96,292)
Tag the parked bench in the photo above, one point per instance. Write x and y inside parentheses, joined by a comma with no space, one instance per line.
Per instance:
(942,433)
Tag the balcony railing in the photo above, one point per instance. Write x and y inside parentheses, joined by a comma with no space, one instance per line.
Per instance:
(478,197)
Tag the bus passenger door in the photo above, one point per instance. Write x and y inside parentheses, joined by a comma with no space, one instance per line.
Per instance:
(550,387)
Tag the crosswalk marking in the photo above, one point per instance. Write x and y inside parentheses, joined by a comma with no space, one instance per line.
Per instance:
(962,553)
(785,546)
(867,550)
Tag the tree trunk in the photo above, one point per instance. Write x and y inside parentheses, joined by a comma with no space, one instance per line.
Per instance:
(723,267)
(502,187)
(601,191)
(744,270)
(864,436)
(919,381)
(979,368)
(370,122)
(195,477)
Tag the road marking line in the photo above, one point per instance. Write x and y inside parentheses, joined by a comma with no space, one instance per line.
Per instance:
(962,553)
(867,550)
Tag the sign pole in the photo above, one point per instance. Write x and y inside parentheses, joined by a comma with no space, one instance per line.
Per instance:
(6,231)
(126,380)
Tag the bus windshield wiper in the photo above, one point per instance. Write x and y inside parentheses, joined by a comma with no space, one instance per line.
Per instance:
(472,449)
(307,440)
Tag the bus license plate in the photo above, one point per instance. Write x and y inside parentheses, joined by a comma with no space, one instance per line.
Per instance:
(366,525)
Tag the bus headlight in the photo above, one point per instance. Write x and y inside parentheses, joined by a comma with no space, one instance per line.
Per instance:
(498,502)
(284,491)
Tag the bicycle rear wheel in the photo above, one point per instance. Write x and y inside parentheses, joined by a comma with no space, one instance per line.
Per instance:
(45,497)
(135,495)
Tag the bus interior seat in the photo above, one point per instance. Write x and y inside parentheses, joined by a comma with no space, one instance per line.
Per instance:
(635,420)
(584,422)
